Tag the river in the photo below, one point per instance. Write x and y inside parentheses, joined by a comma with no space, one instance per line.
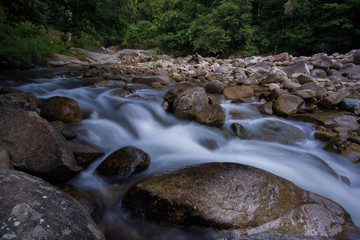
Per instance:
(111,122)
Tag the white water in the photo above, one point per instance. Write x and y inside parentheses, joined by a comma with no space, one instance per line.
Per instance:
(113,122)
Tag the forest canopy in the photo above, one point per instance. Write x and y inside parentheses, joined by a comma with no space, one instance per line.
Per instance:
(180,27)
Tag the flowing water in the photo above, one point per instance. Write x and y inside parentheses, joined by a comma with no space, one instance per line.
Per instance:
(112,122)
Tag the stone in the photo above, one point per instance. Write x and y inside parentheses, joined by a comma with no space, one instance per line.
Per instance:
(33,209)
(11,102)
(336,65)
(84,154)
(324,135)
(237,92)
(214,86)
(129,56)
(274,76)
(148,80)
(356,57)
(27,97)
(302,78)
(299,67)
(320,91)
(4,160)
(222,69)
(60,109)
(290,85)
(281,57)
(287,104)
(212,115)
(334,98)
(189,102)
(323,63)
(178,77)
(266,108)
(347,70)
(318,73)
(63,129)
(352,152)
(306,93)
(123,163)
(349,104)
(35,146)
(110,83)
(237,197)
(271,131)
(92,72)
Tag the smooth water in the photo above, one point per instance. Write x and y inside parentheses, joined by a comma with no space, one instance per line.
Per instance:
(112,122)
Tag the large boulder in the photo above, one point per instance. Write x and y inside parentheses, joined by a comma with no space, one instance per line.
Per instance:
(33,209)
(271,131)
(237,197)
(8,101)
(299,67)
(287,104)
(212,115)
(335,98)
(235,93)
(123,163)
(35,146)
(189,102)
(323,63)
(214,86)
(60,109)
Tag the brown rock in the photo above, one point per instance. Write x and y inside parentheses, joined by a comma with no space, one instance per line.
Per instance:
(287,104)
(60,109)
(324,135)
(306,93)
(214,86)
(335,98)
(281,57)
(84,154)
(266,108)
(4,160)
(212,115)
(352,152)
(189,102)
(323,63)
(235,196)
(237,92)
(320,91)
(299,67)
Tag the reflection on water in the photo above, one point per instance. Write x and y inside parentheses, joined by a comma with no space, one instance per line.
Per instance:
(113,122)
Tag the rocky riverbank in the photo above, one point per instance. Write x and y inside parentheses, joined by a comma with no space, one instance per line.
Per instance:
(236,200)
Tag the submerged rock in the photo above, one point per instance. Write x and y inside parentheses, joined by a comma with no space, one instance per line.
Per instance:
(33,209)
(237,197)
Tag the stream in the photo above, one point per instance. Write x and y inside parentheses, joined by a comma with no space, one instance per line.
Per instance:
(111,122)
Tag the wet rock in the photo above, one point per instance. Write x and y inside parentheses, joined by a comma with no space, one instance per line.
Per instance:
(11,102)
(271,131)
(299,67)
(336,144)
(352,152)
(335,98)
(123,163)
(356,57)
(84,154)
(266,108)
(188,103)
(92,72)
(63,129)
(324,135)
(33,209)
(287,104)
(4,160)
(349,104)
(237,92)
(60,109)
(110,83)
(235,196)
(27,97)
(35,146)
(148,80)
(212,115)
(320,91)
(214,86)
(323,63)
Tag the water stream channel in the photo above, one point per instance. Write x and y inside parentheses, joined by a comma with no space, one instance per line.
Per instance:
(111,122)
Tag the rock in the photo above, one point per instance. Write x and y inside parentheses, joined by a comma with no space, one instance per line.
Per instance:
(33,209)
(274,76)
(62,128)
(266,108)
(323,63)
(335,98)
(148,80)
(190,102)
(11,102)
(331,119)
(324,135)
(306,93)
(248,81)
(345,70)
(129,56)
(92,72)
(318,73)
(123,163)
(178,77)
(290,85)
(332,72)
(237,92)
(212,115)
(276,93)
(336,143)
(4,160)
(320,91)
(336,65)
(299,67)
(27,97)
(222,69)
(84,154)
(60,109)
(352,152)
(356,57)
(214,86)
(281,57)
(302,78)
(35,146)
(235,196)
(287,104)
(349,104)
(271,131)
(110,83)
(357,110)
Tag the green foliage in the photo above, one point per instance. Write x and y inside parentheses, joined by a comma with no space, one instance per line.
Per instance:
(140,35)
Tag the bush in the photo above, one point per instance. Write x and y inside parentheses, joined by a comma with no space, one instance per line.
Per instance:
(140,35)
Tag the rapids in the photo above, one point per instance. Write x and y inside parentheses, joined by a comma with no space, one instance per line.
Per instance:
(112,122)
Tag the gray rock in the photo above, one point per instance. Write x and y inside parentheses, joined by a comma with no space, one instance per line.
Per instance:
(214,86)
(318,73)
(320,91)
(353,69)
(164,80)
(222,69)
(356,57)
(306,93)
(35,146)
(349,104)
(299,67)
(336,65)
(335,98)
(212,115)
(84,154)
(332,72)
(302,78)
(110,83)
(323,63)
(287,104)
(235,93)
(33,209)
(4,160)
(189,102)
(11,102)
(237,197)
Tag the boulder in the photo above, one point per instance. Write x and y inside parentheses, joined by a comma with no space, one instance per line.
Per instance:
(323,63)
(349,104)
(356,57)
(306,93)
(299,67)
(222,69)
(271,131)
(84,154)
(352,152)
(189,102)
(281,57)
(274,76)
(35,146)
(110,83)
(33,209)
(237,197)
(148,80)
(123,163)
(266,108)
(4,160)
(320,91)
(27,97)
(214,86)
(63,129)
(60,109)
(212,115)
(235,93)
(324,135)
(287,104)
(335,98)
(336,65)
(347,70)
(302,78)
(318,73)
(8,101)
